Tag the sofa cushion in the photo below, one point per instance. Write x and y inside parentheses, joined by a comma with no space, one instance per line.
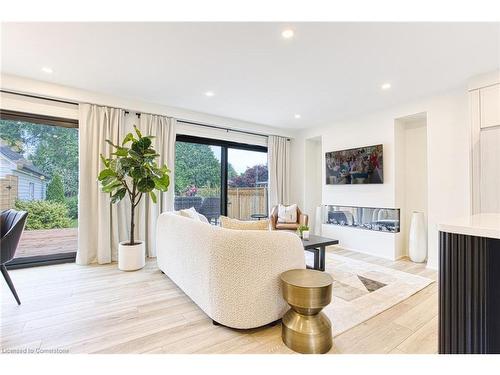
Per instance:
(290,226)
(229,223)
(192,214)
(287,214)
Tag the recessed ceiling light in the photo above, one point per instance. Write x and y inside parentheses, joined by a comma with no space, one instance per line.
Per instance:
(209,93)
(47,70)
(385,86)
(297,116)
(287,33)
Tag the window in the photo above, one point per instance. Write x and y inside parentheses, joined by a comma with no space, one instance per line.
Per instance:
(32,191)
(221,178)
(39,170)
(198,178)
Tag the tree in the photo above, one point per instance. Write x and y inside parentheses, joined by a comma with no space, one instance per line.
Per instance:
(133,171)
(51,149)
(195,164)
(55,190)
(252,177)
(231,172)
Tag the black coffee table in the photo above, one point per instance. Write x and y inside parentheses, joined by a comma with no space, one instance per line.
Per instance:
(316,245)
(258,216)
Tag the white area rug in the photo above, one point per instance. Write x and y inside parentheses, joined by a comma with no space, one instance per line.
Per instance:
(362,290)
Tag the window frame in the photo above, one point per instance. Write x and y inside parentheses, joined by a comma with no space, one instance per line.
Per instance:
(40,260)
(224,145)
(32,190)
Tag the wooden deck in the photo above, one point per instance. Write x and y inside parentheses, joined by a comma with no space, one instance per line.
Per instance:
(47,242)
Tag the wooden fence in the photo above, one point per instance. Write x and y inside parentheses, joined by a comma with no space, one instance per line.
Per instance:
(8,191)
(243,202)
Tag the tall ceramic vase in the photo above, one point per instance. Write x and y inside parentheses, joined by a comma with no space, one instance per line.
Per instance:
(318,220)
(418,238)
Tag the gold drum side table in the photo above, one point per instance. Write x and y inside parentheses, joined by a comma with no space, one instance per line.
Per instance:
(305,329)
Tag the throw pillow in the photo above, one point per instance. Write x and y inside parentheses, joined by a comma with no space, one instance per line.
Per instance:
(190,213)
(229,223)
(287,214)
(203,219)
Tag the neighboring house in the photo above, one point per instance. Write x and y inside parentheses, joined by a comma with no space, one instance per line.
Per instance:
(31,182)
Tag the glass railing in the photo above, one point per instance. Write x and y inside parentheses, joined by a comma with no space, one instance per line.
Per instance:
(369,218)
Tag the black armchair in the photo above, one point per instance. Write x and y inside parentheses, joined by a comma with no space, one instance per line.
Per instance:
(11,227)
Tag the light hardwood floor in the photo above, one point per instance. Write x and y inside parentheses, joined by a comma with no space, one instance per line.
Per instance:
(98,309)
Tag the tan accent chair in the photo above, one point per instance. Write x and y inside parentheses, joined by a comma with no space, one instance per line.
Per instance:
(302,219)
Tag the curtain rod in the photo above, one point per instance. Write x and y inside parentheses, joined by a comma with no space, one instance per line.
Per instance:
(138,114)
(220,128)
(229,129)
(38,97)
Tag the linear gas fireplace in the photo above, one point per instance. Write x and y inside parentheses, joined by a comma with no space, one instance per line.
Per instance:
(369,218)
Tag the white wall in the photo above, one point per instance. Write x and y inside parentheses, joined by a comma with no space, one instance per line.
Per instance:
(447,154)
(312,179)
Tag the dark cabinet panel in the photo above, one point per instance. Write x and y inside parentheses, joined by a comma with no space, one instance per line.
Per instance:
(469,294)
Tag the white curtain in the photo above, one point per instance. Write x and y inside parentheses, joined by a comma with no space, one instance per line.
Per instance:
(95,230)
(163,128)
(278,151)
(102,226)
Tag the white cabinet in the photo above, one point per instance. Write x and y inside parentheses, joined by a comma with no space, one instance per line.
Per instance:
(490,106)
(484,99)
(490,170)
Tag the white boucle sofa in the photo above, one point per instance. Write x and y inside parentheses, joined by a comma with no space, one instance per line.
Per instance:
(232,275)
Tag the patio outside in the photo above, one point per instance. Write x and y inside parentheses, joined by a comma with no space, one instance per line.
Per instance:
(39,174)
(198,181)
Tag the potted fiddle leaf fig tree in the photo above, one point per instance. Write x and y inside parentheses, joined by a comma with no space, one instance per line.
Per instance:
(132,171)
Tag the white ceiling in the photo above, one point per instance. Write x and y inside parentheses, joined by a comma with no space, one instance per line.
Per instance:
(326,72)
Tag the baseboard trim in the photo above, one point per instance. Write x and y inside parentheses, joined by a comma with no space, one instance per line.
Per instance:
(43,260)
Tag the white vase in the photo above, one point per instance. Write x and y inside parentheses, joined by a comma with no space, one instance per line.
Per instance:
(318,221)
(417,248)
(305,235)
(131,257)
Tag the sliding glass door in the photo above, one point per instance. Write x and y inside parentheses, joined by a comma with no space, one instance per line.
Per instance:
(221,178)
(39,174)
(198,178)
(247,184)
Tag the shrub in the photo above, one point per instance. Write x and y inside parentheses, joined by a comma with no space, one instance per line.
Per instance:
(44,214)
(55,190)
(72,204)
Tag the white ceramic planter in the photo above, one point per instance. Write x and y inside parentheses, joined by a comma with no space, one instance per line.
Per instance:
(305,234)
(418,239)
(131,258)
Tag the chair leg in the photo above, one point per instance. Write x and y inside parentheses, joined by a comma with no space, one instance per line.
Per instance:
(10,283)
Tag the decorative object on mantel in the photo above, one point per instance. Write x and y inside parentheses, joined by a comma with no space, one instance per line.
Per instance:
(134,172)
(370,218)
(417,248)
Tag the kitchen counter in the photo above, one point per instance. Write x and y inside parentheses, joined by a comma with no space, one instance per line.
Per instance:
(469,285)
(480,225)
